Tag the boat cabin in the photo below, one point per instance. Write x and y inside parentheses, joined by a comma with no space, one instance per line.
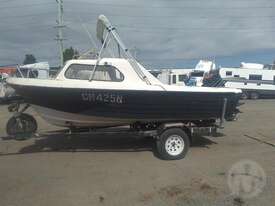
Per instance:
(108,72)
(201,71)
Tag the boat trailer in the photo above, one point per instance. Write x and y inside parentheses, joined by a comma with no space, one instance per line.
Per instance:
(172,138)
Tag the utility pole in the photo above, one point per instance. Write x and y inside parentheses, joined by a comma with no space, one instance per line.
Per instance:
(60,25)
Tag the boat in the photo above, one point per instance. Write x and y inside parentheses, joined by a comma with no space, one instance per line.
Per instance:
(106,92)
(200,73)
(37,70)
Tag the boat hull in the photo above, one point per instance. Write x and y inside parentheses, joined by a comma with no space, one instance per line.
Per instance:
(103,107)
(66,119)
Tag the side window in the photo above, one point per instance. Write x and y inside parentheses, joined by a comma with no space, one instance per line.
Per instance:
(108,73)
(33,74)
(255,77)
(228,73)
(22,73)
(79,71)
(102,73)
(182,77)
(274,80)
(236,75)
(174,79)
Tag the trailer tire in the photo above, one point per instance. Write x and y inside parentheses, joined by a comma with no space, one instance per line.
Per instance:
(254,95)
(173,144)
(21,127)
(245,95)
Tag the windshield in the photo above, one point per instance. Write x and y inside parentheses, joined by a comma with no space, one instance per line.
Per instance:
(197,74)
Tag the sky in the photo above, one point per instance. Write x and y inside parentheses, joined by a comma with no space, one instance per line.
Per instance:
(164,33)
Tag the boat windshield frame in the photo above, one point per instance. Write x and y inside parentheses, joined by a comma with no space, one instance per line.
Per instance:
(104,25)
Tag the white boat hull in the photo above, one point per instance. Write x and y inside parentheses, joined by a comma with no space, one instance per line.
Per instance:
(65,119)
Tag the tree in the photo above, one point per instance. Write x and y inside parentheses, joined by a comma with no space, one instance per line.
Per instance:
(29,59)
(70,53)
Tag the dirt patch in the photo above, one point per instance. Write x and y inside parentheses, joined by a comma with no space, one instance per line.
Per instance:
(205,186)
(171,191)
(101,199)
(146,197)
(182,191)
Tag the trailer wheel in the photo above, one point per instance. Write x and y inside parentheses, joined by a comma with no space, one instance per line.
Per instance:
(173,144)
(254,95)
(21,127)
(245,95)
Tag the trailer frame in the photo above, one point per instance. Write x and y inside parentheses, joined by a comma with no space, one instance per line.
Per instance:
(172,138)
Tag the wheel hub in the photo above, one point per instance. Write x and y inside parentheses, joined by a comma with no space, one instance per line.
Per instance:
(174,145)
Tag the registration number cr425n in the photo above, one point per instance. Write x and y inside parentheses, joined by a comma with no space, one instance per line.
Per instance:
(102,97)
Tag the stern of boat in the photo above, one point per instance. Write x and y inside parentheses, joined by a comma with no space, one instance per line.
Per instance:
(232,105)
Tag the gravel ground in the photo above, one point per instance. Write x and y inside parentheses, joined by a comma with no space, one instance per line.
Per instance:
(122,170)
